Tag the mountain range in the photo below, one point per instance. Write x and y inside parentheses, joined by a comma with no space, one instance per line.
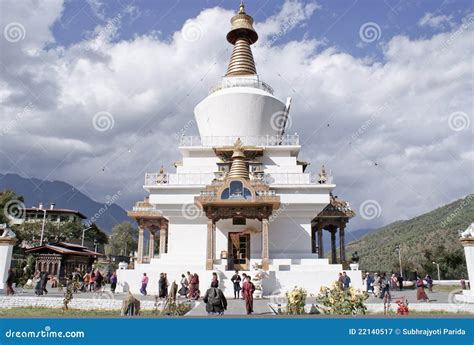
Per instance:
(63,195)
(430,231)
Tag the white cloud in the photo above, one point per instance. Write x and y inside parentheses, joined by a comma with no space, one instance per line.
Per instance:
(436,21)
(381,127)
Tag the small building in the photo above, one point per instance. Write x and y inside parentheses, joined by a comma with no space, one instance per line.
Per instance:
(61,258)
(52,214)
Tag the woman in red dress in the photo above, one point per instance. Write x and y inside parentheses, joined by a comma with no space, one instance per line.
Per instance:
(420,290)
(247,292)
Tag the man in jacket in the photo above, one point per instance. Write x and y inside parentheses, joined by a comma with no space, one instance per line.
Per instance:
(215,301)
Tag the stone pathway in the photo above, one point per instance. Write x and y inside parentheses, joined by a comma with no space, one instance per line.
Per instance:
(438,301)
(236,308)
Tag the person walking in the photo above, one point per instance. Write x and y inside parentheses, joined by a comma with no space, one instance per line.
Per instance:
(9,283)
(420,290)
(247,292)
(162,286)
(216,303)
(92,281)
(99,278)
(393,281)
(376,285)
(86,281)
(340,281)
(347,281)
(400,282)
(384,285)
(215,280)
(369,281)
(113,282)
(144,283)
(429,282)
(44,281)
(37,283)
(236,281)
(183,291)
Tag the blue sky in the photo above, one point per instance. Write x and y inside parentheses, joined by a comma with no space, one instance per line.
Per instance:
(398,94)
(337,22)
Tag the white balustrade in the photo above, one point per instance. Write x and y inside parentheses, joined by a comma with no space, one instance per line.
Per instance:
(156,179)
(242,82)
(260,140)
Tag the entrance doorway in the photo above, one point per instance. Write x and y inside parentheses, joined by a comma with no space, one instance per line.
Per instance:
(239,251)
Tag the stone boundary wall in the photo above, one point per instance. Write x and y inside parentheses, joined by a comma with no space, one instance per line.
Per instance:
(8,302)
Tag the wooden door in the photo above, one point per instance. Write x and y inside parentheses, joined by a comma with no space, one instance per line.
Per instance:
(239,251)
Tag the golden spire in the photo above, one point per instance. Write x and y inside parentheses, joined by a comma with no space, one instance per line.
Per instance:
(241,35)
(238,168)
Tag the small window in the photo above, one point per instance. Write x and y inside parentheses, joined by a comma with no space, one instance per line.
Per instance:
(236,190)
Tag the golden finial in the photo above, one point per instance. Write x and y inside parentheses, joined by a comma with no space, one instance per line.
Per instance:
(242,7)
(323,175)
(238,143)
(162,170)
(241,35)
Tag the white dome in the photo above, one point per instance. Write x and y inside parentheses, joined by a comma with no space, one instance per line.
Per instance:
(239,112)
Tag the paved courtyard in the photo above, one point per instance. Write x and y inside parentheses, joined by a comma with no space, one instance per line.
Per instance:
(410,294)
(439,301)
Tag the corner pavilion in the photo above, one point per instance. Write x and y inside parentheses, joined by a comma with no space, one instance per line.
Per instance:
(240,198)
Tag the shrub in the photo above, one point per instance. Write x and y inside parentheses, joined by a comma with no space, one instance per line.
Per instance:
(296,301)
(336,301)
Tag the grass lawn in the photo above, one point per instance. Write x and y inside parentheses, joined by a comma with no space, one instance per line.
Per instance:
(446,288)
(56,312)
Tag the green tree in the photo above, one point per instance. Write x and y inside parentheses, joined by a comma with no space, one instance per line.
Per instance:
(10,204)
(123,239)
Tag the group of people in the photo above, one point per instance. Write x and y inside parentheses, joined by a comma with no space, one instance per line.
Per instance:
(215,300)
(380,285)
(344,281)
(94,280)
(163,285)
(216,303)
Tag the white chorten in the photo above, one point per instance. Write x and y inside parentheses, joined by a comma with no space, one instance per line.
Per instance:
(240,198)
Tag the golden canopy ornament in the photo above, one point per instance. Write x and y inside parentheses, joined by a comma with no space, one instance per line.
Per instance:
(238,168)
(241,35)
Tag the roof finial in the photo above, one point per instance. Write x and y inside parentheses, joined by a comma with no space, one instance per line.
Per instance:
(241,35)
(242,7)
